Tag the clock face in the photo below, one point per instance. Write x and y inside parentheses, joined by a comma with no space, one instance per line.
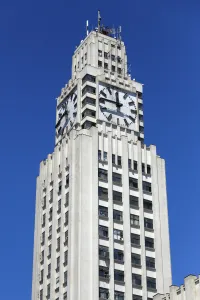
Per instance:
(67,111)
(117,106)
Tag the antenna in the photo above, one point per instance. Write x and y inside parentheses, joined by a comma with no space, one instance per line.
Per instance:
(120,31)
(87,27)
(99,20)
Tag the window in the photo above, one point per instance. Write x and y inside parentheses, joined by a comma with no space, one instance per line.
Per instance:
(57,280)
(129,163)
(148,169)
(49,251)
(113,68)
(148,223)
(103,272)
(50,214)
(135,166)
(106,54)
(136,297)
(119,295)
(88,89)
(103,252)
(117,178)
(43,220)
(119,160)
(58,262)
(103,193)
(66,199)
(105,155)
(66,238)
(136,279)
(48,290)
(51,196)
(151,283)
(88,113)
(113,57)
(65,296)
(135,239)
(59,188)
(147,204)
(103,232)
(99,154)
(118,275)
(88,100)
(50,232)
(103,174)
(49,271)
(103,211)
(67,181)
(85,56)
(88,77)
(65,277)
(66,218)
(133,183)
(135,220)
(58,244)
(82,59)
(119,59)
(59,206)
(150,262)
(113,159)
(41,294)
(43,238)
(141,118)
(117,196)
(41,276)
(100,53)
(59,222)
(149,242)
(146,186)
(141,129)
(99,63)
(105,66)
(44,202)
(136,259)
(42,257)
(118,255)
(143,168)
(118,235)
(133,201)
(119,70)
(117,215)
(66,257)
(103,293)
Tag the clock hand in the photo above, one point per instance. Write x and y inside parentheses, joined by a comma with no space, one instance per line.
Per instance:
(112,111)
(118,104)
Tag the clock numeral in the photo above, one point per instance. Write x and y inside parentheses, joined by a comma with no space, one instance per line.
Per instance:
(125,96)
(133,111)
(132,103)
(104,94)
(132,119)
(109,117)
(126,122)
(103,108)
(75,96)
(101,101)
(109,90)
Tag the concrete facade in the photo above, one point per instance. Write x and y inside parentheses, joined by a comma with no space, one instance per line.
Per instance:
(101,220)
(190,290)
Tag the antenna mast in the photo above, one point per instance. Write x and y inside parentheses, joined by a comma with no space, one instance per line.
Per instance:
(99,20)
(87,27)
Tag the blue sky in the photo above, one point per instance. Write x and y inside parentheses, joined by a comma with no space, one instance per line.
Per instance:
(37,41)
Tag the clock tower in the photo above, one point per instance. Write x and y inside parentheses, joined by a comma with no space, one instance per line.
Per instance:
(101,223)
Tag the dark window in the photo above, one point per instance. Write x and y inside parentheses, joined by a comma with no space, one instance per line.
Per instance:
(59,187)
(146,186)
(118,235)
(135,220)
(66,238)
(103,252)
(113,57)
(103,293)
(43,220)
(99,154)
(59,206)
(141,129)
(103,232)
(119,70)
(48,290)
(140,106)
(113,159)
(136,259)
(133,183)
(44,203)
(118,275)
(119,59)
(119,295)
(88,77)
(136,297)
(143,168)
(141,118)
(49,271)
(66,218)
(148,223)
(105,155)
(135,165)
(103,211)
(65,257)
(113,68)
(118,255)
(136,279)
(106,54)
(103,272)
(50,213)
(88,89)
(129,163)
(151,283)
(150,262)
(66,199)
(135,239)
(117,215)
(100,53)
(149,242)
(119,160)
(133,201)
(103,174)
(117,196)
(67,181)
(117,178)
(41,294)
(88,100)
(148,169)
(105,66)
(88,113)
(65,296)
(43,238)
(147,204)
(99,64)
(103,193)
(51,196)
(58,244)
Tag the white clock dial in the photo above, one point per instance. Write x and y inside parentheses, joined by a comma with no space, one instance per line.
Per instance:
(67,112)
(117,106)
